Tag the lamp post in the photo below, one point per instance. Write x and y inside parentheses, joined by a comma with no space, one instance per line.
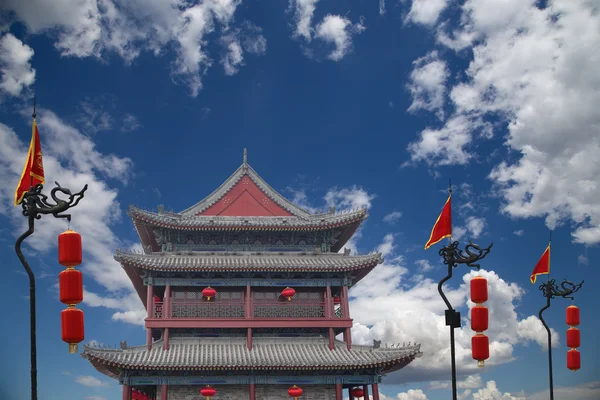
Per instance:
(550,290)
(453,256)
(35,204)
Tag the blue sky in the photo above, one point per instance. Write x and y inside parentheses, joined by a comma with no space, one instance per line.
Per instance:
(340,103)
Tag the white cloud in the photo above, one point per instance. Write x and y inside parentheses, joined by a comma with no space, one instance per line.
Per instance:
(304,11)
(338,30)
(96,28)
(95,398)
(428,84)
(475,226)
(15,65)
(412,395)
(392,217)
(491,392)
(130,123)
(470,382)
(581,259)
(91,381)
(426,12)
(349,198)
(233,58)
(534,72)
(381,7)
(386,307)
(584,391)
(72,159)
(519,232)
(425,266)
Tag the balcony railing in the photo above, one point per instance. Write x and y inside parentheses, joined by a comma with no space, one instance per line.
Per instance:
(158,309)
(207,309)
(289,309)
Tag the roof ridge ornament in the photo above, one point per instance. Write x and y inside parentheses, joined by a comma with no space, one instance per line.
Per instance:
(245,164)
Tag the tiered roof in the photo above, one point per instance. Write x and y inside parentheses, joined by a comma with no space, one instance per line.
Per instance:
(246,202)
(273,353)
(247,261)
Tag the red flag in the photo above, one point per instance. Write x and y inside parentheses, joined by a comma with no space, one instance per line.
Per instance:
(33,171)
(443,225)
(543,265)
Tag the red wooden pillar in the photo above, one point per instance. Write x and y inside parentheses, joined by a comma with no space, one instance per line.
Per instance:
(345,303)
(166,339)
(328,302)
(164,392)
(331,339)
(366,390)
(252,391)
(126,392)
(338,391)
(249,339)
(375,391)
(150,310)
(167,302)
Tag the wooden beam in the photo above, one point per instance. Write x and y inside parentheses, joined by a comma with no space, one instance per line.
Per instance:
(249,323)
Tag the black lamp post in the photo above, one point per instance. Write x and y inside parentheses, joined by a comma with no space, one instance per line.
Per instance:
(453,256)
(35,204)
(550,290)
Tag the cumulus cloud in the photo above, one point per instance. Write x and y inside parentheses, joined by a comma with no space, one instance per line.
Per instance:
(338,31)
(333,29)
(392,217)
(97,28)
(349,198)
(72,159)
(386,307)
(91,381)
(426,12)
(17,75)
(428,84)
(534,75)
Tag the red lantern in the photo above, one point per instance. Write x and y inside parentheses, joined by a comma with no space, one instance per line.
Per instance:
(208,293)
(479,318)
(480,347)
(479,290)
(337,300)
(72,327)
(71,286)
(573,360)
(572,315)
(69,248)
(573,338)
(288,292)
(295,392)
(357,392)
(208,391)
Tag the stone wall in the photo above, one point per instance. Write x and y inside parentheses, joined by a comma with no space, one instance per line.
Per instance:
(263,392)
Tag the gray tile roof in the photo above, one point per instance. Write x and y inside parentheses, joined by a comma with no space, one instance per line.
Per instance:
(300,218)
(208,222)
(266,353)
(198,261)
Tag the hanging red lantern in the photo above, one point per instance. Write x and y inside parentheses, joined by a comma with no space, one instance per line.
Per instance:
(72,327)
(480,347)
(573,360)
(337,300)
(479,290)
(208,391)
(295,392)
(208,293)
(70,282)
(573,338)
(357,392)
(288,292)
(572,315)
(479,318)
(69,248)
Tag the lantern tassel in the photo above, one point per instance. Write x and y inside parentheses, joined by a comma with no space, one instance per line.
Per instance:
(73,348)
(481,364)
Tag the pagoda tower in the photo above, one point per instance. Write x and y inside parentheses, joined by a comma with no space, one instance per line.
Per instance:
(246,293)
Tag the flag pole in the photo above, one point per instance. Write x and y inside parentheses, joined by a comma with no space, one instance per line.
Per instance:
(454,256)
(549,291)
(34,205)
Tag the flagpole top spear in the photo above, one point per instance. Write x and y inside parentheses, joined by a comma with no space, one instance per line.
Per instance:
(34,104)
